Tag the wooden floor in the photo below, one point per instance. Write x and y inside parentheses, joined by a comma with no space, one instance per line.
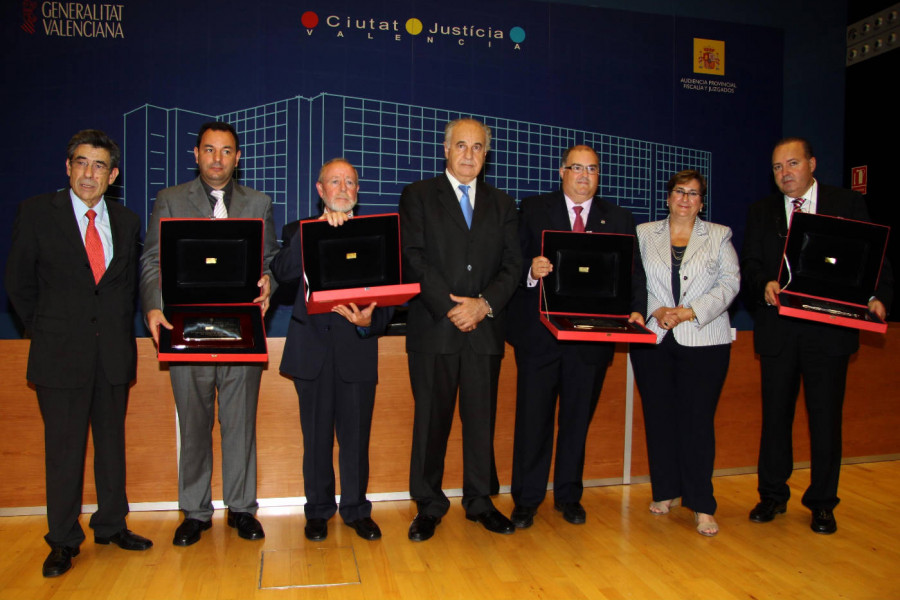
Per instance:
(622,552)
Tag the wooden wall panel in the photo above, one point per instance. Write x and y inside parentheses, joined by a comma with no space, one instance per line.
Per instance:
(872,417)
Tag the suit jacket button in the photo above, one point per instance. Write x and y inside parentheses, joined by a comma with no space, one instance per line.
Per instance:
(468,267)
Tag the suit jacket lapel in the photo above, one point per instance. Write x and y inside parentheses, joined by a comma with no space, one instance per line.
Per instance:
(559,214)
(699,238)
(662,244)
(120,250)
(238,202)
(66,222)
(596,221)
(482,207)
(198,199)
(825,205)
(447,198)
(779,219)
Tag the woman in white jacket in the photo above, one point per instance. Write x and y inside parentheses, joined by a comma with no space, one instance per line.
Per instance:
(692,278)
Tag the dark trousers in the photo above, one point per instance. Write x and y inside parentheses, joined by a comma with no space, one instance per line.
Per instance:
(577,385)
(824,380)
(67,414)
(680,388)
(329,405)
(435,379)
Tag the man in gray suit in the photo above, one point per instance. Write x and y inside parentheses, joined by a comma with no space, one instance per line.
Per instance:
(213,194)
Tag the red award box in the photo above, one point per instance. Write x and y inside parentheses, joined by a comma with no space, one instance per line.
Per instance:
(357,262)
(830,270)
(208,271)
(587,295)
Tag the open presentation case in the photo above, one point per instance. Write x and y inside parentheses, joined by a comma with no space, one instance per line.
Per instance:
(209,269)
(357,262)
(831,268)
(587,295)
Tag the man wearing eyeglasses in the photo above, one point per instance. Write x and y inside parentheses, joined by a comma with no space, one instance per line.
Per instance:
(547,368)
(71,277)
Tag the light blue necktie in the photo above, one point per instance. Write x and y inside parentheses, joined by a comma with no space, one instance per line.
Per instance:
(466,205)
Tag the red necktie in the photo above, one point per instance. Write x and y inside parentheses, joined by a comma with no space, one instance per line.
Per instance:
(94,247)
(578,225)
(798,204)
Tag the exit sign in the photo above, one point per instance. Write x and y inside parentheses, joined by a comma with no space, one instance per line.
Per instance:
(859,177)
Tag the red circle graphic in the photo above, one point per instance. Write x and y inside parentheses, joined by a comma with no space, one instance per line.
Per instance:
(309,19)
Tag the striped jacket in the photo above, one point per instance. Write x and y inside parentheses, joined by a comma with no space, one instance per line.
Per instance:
(710,279)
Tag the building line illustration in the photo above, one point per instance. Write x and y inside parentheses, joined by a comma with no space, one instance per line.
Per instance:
(283,144)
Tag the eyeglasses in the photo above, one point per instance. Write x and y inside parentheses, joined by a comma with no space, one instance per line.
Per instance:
(579,169)
(84,164)
(691,194)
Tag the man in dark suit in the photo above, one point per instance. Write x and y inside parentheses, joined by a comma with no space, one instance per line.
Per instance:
(467,261)
(195,385)
(71,278)
(333,359)
(793,349)
(548,368)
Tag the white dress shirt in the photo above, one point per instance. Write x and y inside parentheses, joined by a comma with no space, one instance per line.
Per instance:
(809,206)
(456,183)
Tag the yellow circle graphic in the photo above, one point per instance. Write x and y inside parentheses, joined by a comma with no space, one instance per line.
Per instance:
(414,26)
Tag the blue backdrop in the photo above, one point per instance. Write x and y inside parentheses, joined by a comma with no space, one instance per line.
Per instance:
(375,82)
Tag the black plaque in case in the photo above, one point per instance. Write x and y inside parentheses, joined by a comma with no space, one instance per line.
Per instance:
(587,295)
(357,262)
(830,270)
(209,269)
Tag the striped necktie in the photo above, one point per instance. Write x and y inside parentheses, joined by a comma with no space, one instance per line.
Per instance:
(219,211)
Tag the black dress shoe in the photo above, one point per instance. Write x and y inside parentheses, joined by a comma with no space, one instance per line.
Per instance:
(189,531)
(126,540)
(366,528)
(316,530)
(572,512)
(58,561)
(823,521)
(766,510)
(246,524)
(422,527)
(523,516)
(494,521)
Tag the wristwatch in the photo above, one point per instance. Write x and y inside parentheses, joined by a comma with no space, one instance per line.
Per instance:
(490,313)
